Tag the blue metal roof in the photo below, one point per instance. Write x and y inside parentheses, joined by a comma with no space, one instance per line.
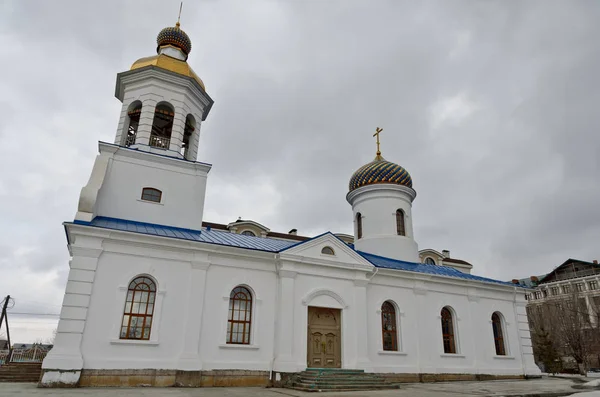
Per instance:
(388,263)
(203,236)
(270,245)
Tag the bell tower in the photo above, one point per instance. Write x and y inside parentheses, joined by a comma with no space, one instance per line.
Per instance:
(150,173)
(164,100)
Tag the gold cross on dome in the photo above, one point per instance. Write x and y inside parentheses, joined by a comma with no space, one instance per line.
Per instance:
(377,132)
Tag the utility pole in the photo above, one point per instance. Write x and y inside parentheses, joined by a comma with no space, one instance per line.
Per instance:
(4,317)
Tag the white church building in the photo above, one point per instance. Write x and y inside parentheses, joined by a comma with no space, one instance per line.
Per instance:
(157,295)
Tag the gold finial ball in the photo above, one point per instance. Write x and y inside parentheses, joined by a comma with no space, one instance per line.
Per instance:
(176,37)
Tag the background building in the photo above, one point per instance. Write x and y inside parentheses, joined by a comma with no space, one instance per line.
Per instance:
(564,312)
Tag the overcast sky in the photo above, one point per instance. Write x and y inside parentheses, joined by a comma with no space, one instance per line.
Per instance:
(492,106)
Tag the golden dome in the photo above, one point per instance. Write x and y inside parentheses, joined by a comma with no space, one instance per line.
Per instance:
(168,63)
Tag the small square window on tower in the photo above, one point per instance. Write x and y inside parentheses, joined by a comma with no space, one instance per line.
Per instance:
(151,194)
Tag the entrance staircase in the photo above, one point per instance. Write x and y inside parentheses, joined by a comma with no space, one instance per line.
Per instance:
(20,372)
(334,379)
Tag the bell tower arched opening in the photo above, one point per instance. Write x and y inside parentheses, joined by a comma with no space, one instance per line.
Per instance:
(188,132)
(133,113)
(162,126)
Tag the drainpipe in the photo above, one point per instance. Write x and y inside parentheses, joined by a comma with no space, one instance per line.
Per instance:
(272,364)
(374,274)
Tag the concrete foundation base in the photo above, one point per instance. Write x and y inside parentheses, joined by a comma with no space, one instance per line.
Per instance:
(218,378)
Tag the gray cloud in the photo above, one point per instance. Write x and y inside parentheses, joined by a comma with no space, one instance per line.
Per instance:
(491,106)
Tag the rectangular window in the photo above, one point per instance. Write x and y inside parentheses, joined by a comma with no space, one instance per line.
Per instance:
(151,194)
(554,291)
(593,285)
(538,295)
(579,287)
(545,293)
(566,289)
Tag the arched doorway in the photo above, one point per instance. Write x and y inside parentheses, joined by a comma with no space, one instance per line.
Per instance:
(324,338)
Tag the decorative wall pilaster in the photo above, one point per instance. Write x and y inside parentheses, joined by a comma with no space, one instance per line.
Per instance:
(361,325)
(177,132)
(284,359)
(66,353)
(529,367)
(146,119)
(190,359)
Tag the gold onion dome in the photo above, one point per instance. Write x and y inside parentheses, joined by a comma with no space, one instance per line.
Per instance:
(172,36)
(175,37)
(380,171)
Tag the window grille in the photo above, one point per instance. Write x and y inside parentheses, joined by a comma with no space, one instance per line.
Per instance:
(498,335)
(327,251)
(448,331)
(388,327)
(139,309)
(151,194)
(240,316)
(400,227)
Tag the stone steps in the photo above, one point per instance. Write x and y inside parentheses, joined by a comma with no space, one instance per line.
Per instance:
(20,372)
(329,379)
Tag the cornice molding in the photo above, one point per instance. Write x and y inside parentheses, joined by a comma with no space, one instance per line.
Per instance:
(149,72)
(385,189)
(153,158)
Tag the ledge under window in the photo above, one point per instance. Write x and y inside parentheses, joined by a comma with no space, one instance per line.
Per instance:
(504,357)
(452,355)
(133,342)
(149,202)
(238,346)
(392,353)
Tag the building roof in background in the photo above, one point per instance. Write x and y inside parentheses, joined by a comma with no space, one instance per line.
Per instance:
(221,226)
(563,272)
(459,261)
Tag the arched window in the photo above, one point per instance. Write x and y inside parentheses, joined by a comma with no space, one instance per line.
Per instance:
(134,112)
(188,130)
(151,194)
(327,251)
(448,331)
(139,308)
(240,316)
(162,126)
(429,261)
(358,225)
(388,326)
(248,233)
(498,334)
(400,229)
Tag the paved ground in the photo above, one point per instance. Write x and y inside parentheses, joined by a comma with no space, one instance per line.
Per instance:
(538,387)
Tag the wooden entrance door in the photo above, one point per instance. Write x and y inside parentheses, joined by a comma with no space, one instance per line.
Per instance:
(324,338)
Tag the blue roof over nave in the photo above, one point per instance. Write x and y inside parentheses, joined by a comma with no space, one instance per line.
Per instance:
(267,244)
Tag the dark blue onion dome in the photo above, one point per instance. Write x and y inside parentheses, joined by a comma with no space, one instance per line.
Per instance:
(175,37)
(380,171)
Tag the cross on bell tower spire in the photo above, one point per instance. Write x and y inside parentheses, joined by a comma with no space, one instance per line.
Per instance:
(179,16)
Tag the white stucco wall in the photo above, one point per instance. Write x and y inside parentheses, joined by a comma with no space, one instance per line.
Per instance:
(195,280)
(377,205)
(182,183)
